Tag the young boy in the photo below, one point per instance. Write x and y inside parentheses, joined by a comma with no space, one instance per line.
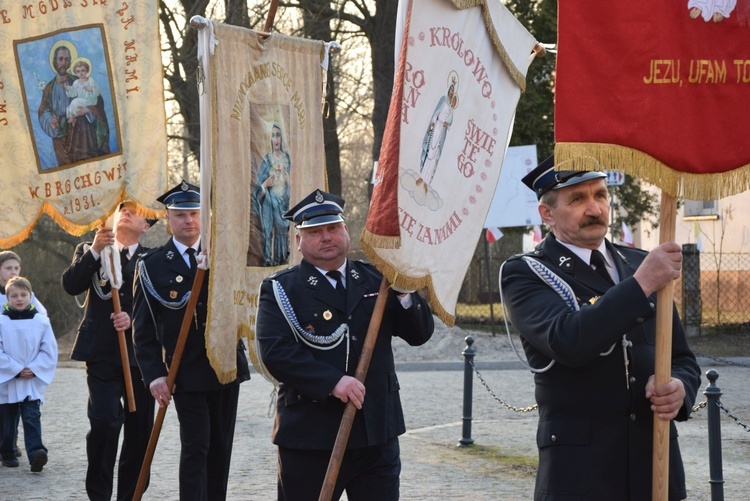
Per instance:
(10,266)
(28,358)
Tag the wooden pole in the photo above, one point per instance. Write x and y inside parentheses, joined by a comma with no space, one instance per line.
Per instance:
(663,363)
(124,358)
(339,447)
(171,376)
(271,15)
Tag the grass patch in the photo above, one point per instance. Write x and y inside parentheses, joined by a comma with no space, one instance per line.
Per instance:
(503,459)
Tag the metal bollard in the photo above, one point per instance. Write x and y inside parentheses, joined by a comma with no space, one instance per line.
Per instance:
(468,354)
(713,395)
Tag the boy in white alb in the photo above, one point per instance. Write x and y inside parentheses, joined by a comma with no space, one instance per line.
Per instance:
(28,359)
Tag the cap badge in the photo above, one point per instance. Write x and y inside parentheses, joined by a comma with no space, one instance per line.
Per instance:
(319,197)
(184,186)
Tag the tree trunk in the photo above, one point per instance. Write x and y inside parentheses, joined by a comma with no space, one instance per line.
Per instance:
(317,15)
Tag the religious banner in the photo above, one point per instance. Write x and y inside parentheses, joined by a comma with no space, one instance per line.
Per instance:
(264,125)
(461,70)
(81,113)
(658,89)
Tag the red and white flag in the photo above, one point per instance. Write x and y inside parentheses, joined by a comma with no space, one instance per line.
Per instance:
(537,234)
(493,234)
(627,237)
(460,74)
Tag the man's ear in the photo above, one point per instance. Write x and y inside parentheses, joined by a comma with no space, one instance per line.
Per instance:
(546,214)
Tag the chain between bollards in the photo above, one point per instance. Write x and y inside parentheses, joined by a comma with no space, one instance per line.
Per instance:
(468,354)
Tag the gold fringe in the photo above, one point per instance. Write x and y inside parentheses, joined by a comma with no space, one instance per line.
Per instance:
(515,73)
(407,282)
(379,241)
(72,228)
(594,156)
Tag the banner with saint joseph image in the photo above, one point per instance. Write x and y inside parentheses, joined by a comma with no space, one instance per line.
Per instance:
(267,153)
(81,112)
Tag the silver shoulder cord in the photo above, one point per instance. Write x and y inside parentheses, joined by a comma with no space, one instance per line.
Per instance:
(565,292)
(318,342)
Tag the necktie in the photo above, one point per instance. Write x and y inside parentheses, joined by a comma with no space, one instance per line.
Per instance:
(124,256)
(597,262)
(191,257)
(334,274)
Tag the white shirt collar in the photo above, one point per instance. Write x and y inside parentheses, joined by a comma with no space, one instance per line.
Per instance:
(341,269)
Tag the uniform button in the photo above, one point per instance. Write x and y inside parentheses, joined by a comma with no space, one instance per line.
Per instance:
(651,305)
(632,379)
(299,397)
(354,338)
(639,320)
(419,306)
(553,438)
(632,417)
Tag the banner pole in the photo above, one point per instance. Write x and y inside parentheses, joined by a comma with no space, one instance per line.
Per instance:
(663,362)
(339,447)
(124,358)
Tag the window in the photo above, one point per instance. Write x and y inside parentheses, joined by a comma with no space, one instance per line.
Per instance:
(700,210)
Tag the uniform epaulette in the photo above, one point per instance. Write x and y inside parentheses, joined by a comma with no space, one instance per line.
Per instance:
(280,273)
(149,252)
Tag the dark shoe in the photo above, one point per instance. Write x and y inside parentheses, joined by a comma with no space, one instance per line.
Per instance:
(10,463)
(19,453)
(38,461)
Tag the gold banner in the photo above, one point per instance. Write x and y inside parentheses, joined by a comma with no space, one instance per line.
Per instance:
(81,112)
(267,142)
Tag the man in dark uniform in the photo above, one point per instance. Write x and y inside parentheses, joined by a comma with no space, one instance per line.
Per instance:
(206,408)
(589,332)
(311,339)
(97,344)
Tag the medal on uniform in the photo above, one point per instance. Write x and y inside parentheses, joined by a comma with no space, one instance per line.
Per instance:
(327,315)
(102,282)
(178,279)
(173,294)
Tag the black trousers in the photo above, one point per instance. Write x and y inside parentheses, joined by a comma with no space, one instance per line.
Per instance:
(108,414)
(207,421)
(369,474)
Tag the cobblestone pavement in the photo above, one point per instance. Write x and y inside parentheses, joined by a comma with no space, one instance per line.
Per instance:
(500,466)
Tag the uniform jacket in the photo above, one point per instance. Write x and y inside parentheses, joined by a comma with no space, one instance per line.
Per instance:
(595,434)
(307,416)
(157,327)
(97,339)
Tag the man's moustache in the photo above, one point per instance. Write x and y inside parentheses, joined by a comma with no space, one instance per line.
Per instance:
(594,222)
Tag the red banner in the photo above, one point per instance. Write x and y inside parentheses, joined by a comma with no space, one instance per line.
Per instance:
(659,89)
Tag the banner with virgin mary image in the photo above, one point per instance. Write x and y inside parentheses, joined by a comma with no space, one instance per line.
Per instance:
(461,70)
(265,135)
(82,116)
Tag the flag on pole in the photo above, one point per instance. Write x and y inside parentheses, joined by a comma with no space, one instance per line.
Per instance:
(493,234)
(82,121)
(537,234)
(627,237)
(658,89)
(261,112)
(462,67)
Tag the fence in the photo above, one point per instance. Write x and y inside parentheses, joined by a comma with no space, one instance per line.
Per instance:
(710,293)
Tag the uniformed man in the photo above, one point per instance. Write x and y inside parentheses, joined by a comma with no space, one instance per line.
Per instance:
(97,344)
(585,309)
(206,409)
(311,325)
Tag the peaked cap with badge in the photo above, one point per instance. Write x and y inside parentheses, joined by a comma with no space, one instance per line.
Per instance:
(544,177)
(151,222)
(316,209)
(184,196)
